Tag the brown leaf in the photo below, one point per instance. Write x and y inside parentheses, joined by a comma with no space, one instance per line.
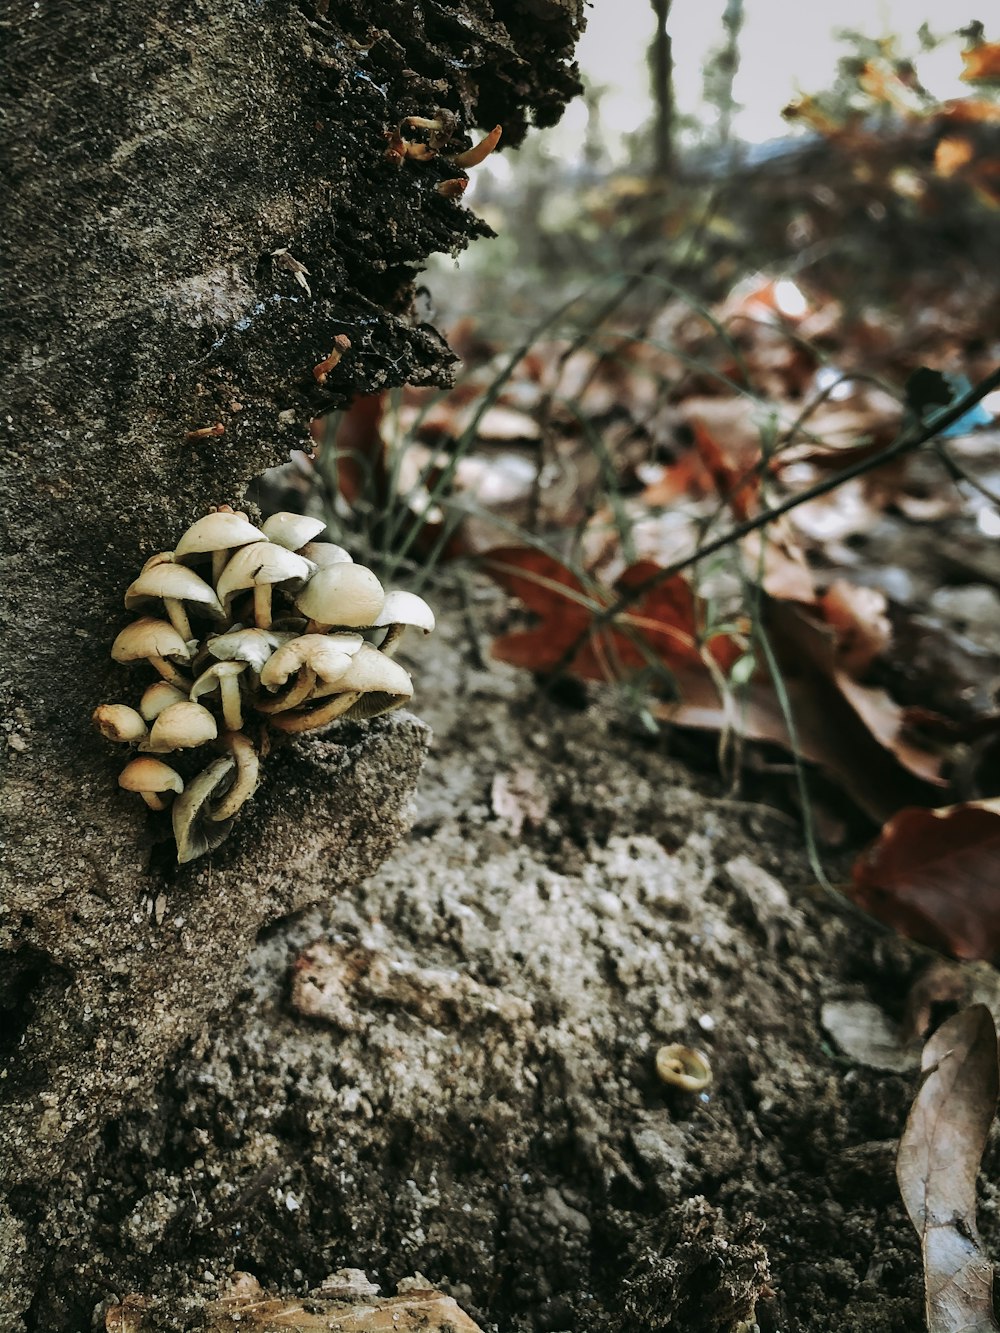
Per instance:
(858,615)
(982,62)
(938,1161)
(663,624)
(934,875)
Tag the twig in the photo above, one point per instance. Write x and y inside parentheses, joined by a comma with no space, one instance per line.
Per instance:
(905,444)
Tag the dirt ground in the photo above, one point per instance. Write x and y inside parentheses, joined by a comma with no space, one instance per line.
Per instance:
(471,1092)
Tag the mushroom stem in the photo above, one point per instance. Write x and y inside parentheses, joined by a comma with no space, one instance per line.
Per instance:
(247,774)
(319,717)
(154,800)
(178,617)
(232,710)
(297,693)
(169,672)
(393,638)
(219,559)
(262,605)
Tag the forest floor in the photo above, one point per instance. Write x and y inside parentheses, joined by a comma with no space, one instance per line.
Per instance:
(451,1070)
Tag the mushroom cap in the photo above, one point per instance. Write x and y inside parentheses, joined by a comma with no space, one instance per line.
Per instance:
(161,694)
(372,673)
(147,774)
(405,608)
(217,532)
(118,722)
(247,645)
(325,553)
(195,836)
(329,655)
(160,558)
(175,581)
(181,726)
(149,637)
(342,594)
(292,530)
(263,562)
(209,680)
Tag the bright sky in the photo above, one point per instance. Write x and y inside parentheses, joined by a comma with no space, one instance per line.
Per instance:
(786,46)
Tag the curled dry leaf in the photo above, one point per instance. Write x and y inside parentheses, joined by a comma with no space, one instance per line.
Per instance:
(938,1161)
(934,876)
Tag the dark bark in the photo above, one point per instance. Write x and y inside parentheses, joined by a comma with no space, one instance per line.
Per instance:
(160,156)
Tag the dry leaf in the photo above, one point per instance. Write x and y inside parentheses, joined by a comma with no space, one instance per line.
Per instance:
(867,1035)
(934,875)
(938,1161)
(982,62)
(663,623)
(519,797)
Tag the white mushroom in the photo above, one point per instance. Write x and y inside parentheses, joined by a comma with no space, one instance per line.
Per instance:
(310,658)
(292,530)
(161,694)
(217,534)
(341,594)
(152,779)
(401,610)
(326,553)
(223,677)
(260,567)
(118,722)
(154,641)
(372,684)
(174,585)
(181,726)
(254,646)
(195,832)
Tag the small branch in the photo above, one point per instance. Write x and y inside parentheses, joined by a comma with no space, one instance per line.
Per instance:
(905,444)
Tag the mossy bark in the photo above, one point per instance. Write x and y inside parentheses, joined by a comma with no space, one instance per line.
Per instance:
(172,167)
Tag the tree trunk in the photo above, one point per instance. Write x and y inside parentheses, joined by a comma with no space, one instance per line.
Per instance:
(173,167)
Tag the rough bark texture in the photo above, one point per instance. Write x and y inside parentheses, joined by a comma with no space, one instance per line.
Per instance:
(161,155)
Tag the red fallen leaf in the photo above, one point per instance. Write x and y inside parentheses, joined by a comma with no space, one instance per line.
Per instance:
(859,617)
(934,876)
(982,62)
(665,620)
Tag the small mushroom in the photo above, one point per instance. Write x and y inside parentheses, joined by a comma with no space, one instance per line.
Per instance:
(181,726)
(174,585)
(325,553)
(401,610)
(254,646)
(224,677)
(245,780)
(155,641)
(683,1067)
(260,567)
(341,594)
(161,694)
(371,685)
(310,658)
(292,531)
(152,779)
(217,534)
(118,722)
(195,832)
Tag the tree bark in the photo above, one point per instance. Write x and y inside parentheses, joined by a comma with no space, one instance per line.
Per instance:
(172,165)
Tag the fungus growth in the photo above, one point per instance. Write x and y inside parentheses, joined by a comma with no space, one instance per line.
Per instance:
(276,632)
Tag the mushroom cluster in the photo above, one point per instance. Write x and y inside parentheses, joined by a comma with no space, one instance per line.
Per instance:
(288,635)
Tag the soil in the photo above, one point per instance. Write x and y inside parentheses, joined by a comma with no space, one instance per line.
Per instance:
(458,1078)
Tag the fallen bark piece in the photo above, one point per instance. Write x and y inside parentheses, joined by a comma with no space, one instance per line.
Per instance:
(244,1304)
(939,1156)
